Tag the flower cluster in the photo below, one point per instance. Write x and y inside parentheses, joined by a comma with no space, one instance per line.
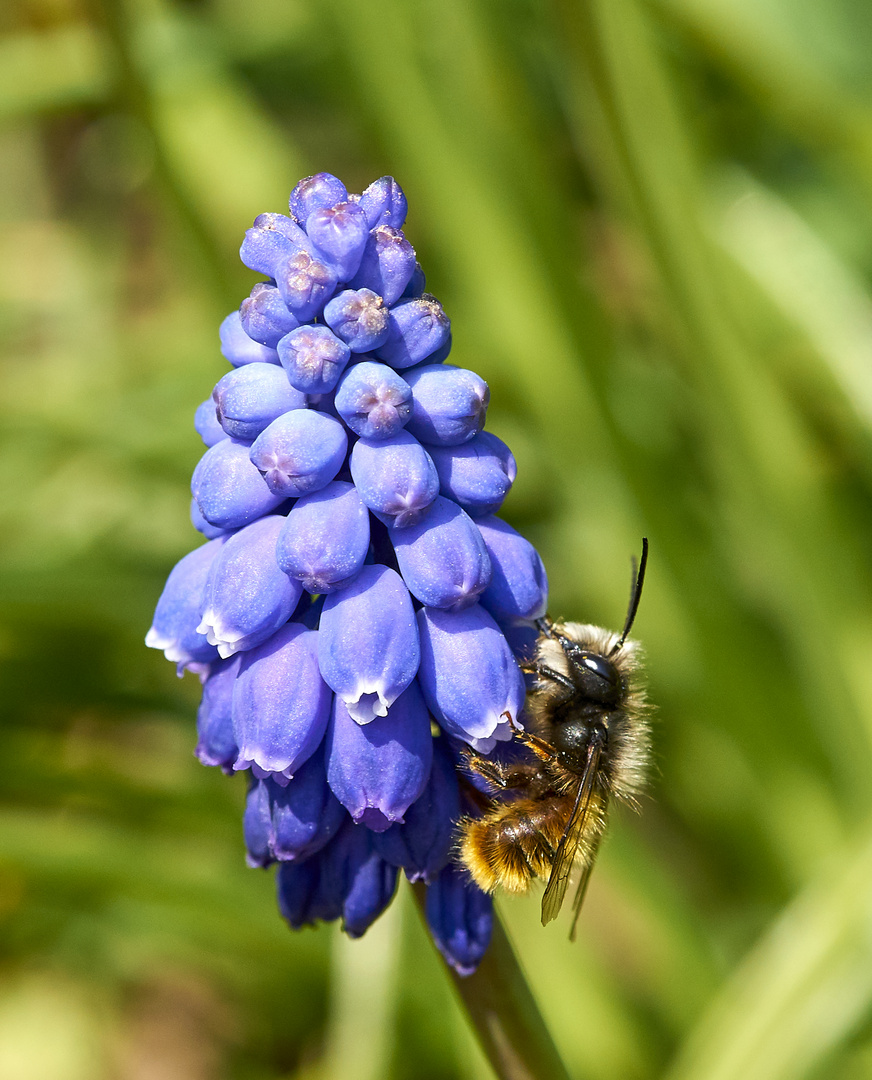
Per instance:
(349,610)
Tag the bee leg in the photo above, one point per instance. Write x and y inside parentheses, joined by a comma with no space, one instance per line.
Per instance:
(540,747)
(545,626)
(502,776)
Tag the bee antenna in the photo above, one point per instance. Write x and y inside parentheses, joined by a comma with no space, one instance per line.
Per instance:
(636,583)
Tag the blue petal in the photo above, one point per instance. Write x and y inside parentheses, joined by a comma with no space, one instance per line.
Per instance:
(228,488)
(379,769)
(314,358)
(443,559)
(449,404)
(518,587)
(216,743)
(248,399)
(460,917)
(315,193)
(281,704)
(373,400)
(471,681)
(265,316)
(247,597)
(395,477)
(368,642)
(300,452)
(417,329)
(384,203)
(339,233)
(478,475)
(360,317)
(237,346)
(325,539)
(387,265)
(177,615)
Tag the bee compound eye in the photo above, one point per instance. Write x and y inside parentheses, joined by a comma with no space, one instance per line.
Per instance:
(600,666)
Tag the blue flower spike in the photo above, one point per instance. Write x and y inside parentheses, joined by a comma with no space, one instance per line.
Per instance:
(358,613)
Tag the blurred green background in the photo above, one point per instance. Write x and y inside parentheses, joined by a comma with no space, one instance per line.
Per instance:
(651,224)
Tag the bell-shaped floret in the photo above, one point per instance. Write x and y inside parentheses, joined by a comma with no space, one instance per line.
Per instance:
(249,398)
(359,317)
(395,477)
(443,559)
(229,489)
(294,821)
(471,681)
(368,642)
(272,239)
(421,845)
(518,587)
(202,525)
(373,400)
(325,539)
(460,917)
(347,878)
(315,193)
(477,475)
(177,615)
(265,316)
(387,265)
(216,743)
(339,234)
(247,597)
(416,329)
(305,283)
(314,358)
(449,404)
(378,770)
(206,423)
(384,203)
(238,347)
(281,705)
(300,452)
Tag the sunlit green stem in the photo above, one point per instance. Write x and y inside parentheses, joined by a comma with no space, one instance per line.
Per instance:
(504,1013)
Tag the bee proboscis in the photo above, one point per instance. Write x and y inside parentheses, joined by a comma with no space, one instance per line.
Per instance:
(587,737)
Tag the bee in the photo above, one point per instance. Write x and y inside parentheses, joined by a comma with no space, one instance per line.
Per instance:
(586,742)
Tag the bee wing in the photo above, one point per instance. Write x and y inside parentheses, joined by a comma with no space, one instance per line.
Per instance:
(583,880)
(567,849)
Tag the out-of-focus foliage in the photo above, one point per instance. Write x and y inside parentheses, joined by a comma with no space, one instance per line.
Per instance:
(651,223)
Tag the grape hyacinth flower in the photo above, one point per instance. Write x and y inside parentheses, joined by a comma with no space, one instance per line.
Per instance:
(356,612)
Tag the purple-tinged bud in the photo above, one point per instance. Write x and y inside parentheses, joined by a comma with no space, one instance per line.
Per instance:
(324,542)
(294,821)
(395,477)
(449,404)
(237,346)
(477,475)
(206,423)
(417,284)
(384,203)
(518,588)
(228,488)
(247,597)
(378,770)
(359,317)
(257,824)
(281,705)
(176,617)
(301,900)
(216,743)
(249,398)
(211,532)
(422,844)
(387,265)
(300,452)
(373,400)
(471,680)
(305,283)
(346,878)
(368,642)
(265,317)
(339,233)
(272,239)
(416,329)
(315,193)
(443,559)
(314,358)
(460,917)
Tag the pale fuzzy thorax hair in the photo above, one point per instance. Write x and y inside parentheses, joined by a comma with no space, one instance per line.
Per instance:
(629,731)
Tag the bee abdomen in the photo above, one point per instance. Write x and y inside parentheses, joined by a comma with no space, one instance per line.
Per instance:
(513,844)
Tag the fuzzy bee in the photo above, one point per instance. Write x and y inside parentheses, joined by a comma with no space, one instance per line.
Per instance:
(586,742)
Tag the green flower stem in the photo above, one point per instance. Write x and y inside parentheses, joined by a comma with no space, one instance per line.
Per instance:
(504,1013)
